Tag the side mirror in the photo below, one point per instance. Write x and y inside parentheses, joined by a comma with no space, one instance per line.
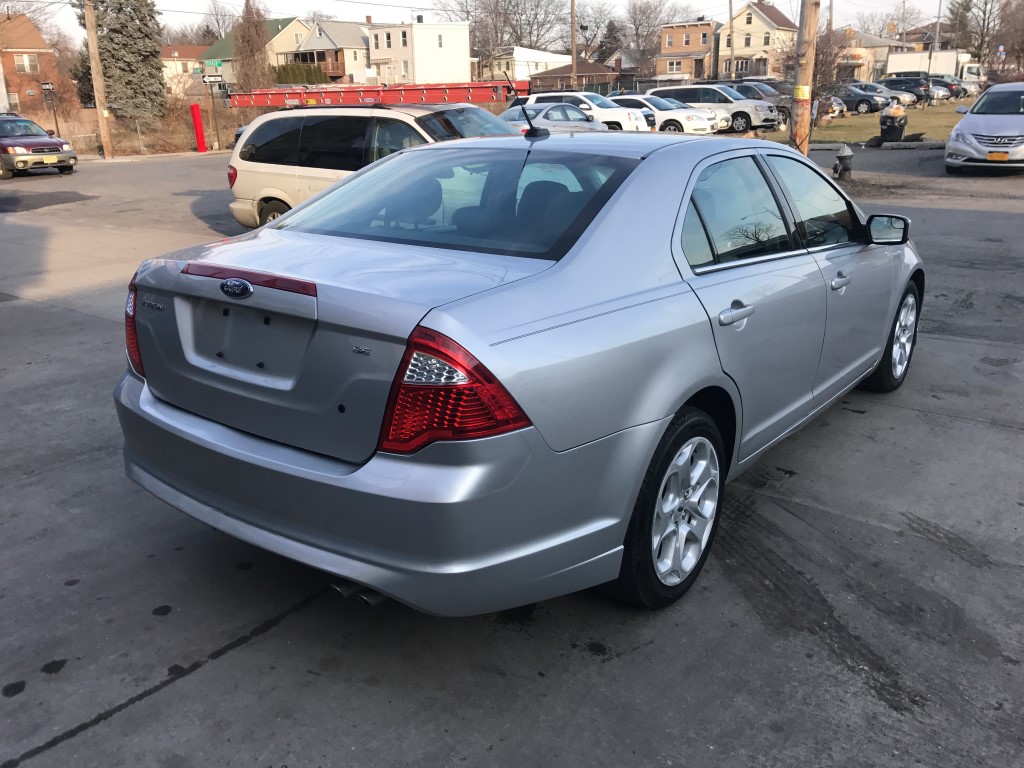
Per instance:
(884,229)
(584,106)
(51,133)
(590,118)
(962,109)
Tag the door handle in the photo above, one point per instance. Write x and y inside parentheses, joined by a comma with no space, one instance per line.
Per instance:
(840,281)
(735,313)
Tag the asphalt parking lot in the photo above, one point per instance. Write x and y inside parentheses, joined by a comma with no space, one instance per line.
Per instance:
(862,606)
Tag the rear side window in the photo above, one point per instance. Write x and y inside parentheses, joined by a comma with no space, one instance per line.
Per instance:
(337,143)
(391,136)
(275,141)
(739,211)
(822,212)
(695,243)
(511,202)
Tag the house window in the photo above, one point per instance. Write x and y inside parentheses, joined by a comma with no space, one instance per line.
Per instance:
(743,65)
(319,31)
(703,38)
(668,41)
(405,39)
(298,38)
(728,41)
(440,41)
(686,39)
(376,42)
(506,66)
(387,39)
(675,67)
(184,67)
(746,40)
(750,18)
(12,99)
(767,38)
(26,62)
(405,67)
(728,65)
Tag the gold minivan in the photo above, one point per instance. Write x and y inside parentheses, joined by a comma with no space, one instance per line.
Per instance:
(284,158)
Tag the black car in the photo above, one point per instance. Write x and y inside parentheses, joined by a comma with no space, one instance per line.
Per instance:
(915,85)
(956,90)
(859,101)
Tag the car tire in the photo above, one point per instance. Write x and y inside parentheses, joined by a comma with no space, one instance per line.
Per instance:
(275,209)
(783,123)
(863,107)
(892,369)
(65,171)
(954,170)
(6,174)
(614,126)
(658,566)
(740,122)
(671,126)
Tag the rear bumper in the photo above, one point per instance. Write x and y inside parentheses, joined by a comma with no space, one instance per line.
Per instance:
(29,161)
(455,529)
(245,212)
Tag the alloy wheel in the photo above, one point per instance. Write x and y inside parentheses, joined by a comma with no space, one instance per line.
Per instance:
(903,338)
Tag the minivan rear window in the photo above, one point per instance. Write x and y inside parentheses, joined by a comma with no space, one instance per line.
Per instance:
(514,202)
(275,141)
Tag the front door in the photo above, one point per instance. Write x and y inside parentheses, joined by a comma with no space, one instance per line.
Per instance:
(859,276)
(764,297)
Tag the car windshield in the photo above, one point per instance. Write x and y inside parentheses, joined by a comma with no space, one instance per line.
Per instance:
(600,101)
(765,89)
(659,103)
(516,114)
(9,128)
(1000,103)
(732,93)
(514,202)
(462,123)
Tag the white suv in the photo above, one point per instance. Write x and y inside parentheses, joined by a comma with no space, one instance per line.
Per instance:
(284,158)
(617,118)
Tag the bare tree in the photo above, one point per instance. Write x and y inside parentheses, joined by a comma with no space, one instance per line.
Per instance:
(642,22)
(198,33)
(219,17)
(316,15)
(984,20)
(592,17)
(251,64)
(828,49)
(534,23)
(874,23)
(1012,32)
(40,14)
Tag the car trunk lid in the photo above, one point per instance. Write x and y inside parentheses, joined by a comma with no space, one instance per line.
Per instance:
(305,350)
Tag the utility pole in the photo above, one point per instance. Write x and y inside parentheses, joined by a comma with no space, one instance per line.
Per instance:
(807,39)
(572,37)
(98,84)
(935,42)
(831,17)
(732,43)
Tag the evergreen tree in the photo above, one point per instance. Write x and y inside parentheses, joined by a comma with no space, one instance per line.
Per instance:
(81,73)
(129,45)
(958,16)
(611,41)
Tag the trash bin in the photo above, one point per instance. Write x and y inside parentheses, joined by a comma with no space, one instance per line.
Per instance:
(893,122)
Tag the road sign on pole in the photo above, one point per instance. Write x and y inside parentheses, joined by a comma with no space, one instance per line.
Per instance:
(213,79)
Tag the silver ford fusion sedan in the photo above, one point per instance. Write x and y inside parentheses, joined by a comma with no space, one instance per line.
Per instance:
(481,374)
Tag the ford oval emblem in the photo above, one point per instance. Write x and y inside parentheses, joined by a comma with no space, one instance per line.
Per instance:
(236,288)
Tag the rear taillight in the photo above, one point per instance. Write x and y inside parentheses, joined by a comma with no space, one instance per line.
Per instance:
(442,392)
(131,336)
(232,175)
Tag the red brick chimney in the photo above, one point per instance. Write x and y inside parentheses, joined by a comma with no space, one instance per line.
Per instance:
(369,19)
(618,64)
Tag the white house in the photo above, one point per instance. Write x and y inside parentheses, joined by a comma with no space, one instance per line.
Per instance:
(519,63)
(419,53)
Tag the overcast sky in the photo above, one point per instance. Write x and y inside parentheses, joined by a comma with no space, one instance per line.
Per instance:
(175,12)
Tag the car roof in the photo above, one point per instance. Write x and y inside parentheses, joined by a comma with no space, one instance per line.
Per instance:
(1006,87)
(614,143)
(413,110)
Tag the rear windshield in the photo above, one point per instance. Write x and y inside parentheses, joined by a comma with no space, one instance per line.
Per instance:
(506,201)
(462,123)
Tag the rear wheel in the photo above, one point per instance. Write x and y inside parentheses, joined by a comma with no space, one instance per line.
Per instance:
(614,126)
(675,516)
(740,123)
(892,368)
(671,126)
(275,209)
(863,107)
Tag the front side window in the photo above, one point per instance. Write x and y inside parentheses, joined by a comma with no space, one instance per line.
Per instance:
(275,142)
(390,136)
(739,211)
(336,143)
(26,62)
(512,202)
(823,214)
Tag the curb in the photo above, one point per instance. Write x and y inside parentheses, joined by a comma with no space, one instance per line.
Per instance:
(914,145)
(155,156)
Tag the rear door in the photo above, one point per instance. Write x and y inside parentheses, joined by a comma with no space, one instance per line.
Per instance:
(764,295)
(267,161)
(330,148)
(860,276)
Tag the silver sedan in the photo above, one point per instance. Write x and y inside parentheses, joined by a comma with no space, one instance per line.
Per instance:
(557,118)
(480,374)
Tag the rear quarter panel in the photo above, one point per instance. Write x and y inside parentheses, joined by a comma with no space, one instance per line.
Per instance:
(609,338)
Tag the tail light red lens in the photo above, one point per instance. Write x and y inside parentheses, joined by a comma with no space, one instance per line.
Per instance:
(131,336)
(232,175)
(442,392)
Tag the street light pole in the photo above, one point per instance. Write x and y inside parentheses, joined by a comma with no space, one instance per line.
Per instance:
(572,37)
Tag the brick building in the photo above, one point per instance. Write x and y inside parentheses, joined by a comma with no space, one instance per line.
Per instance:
(688,50)
(26,62)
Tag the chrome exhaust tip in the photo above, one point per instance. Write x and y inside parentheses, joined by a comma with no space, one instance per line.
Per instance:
(372,598)
(347,588)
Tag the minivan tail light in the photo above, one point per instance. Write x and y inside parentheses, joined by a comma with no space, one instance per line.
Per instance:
(131,336)
(442,392)
(232,175)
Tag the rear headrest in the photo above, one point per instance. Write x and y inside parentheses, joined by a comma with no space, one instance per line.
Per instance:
(415,204)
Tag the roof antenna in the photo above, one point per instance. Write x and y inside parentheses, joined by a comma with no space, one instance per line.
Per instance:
(532,132)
